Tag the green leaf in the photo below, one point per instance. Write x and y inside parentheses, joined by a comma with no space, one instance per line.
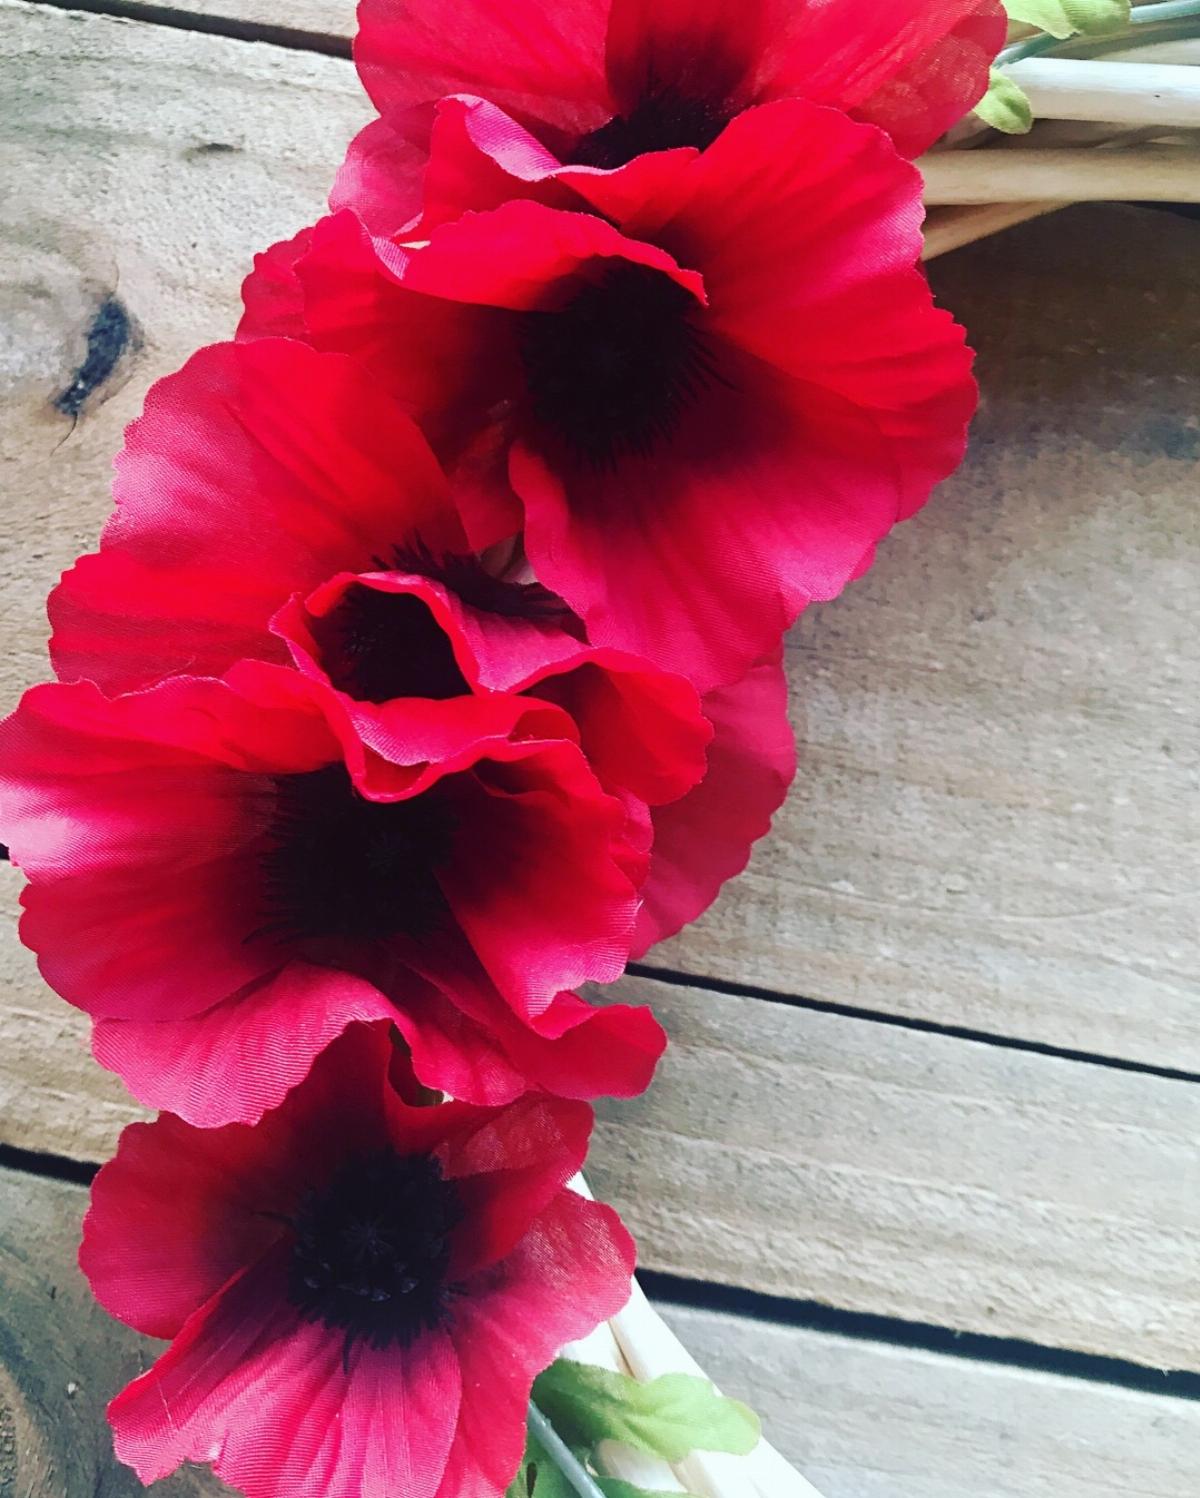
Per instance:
(617,1487)
(1066,17)
(668,1417)
(1005,107)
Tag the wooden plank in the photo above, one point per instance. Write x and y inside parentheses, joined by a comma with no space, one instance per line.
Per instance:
(142,165)
(62,1358)
(862,1420)
(823,1158)
(995,823)
(921,1176)
(320,20)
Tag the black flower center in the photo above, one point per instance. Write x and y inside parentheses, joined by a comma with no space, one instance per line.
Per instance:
(469,580)
(372,1249)
(376,645)
(661,120)
(339,866)
(612,371)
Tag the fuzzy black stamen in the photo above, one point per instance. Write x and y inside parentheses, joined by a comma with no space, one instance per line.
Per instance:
(372,1250)
(378,645)
(662,120)
(612,372)
(467,578)
(339,866)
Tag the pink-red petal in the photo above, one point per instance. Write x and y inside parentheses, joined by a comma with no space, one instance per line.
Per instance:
(532,59)
(262,1395)
(705,838)
(569,1273)
(256,470)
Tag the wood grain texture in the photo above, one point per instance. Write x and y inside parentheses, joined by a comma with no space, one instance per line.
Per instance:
(328,20)
(141,165)
(62,1358)
(863,1420)
(996,822)
(921,1176)
(818,1157)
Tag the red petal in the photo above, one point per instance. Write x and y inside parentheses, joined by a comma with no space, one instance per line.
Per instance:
(705,838)
(544,61)
(262,1395)
(256,470)
(570,1273)
(702,50)
(241,1057)
(913,67)
(539,891)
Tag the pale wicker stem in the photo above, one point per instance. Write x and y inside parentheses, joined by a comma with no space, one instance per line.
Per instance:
(651,1348)
(950,228)
(1125,93)
(1169,174)
(637,1341)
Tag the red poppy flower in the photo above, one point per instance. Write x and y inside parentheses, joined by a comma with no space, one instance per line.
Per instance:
(705,407)
(603,82)
(285,470)
(274,504)
(359,1293)
(207,880)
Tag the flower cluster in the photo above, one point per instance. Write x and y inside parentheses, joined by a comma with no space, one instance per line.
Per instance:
(429,667)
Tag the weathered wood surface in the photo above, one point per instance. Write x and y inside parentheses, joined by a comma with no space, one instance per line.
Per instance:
(995,825)
(62,1358)
(145,165)
(865,1166)
(316,21)
(861,1419)
(996,822)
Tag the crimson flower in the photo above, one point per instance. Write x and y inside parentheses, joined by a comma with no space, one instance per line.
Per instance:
(212,885)
(704,400)
(275,504)
(603,82)
(358,1292)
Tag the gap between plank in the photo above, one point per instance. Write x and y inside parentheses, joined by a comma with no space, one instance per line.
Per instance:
(923,1336)
(676,979)
(290,37)
(808,1315)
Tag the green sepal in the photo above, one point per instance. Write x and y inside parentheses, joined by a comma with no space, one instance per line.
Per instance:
(1064,18)
(1005,106)
(666,1417)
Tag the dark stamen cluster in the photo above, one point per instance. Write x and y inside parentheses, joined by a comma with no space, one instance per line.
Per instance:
(336,865)
(612,372)
(372,1249)
(662,120)
(378,645)
(467,578)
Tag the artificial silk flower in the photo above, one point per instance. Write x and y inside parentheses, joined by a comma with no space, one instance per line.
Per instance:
(210,882)
(358,1292)
(601,83)
(704,400)
(274,504)
(228,542)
